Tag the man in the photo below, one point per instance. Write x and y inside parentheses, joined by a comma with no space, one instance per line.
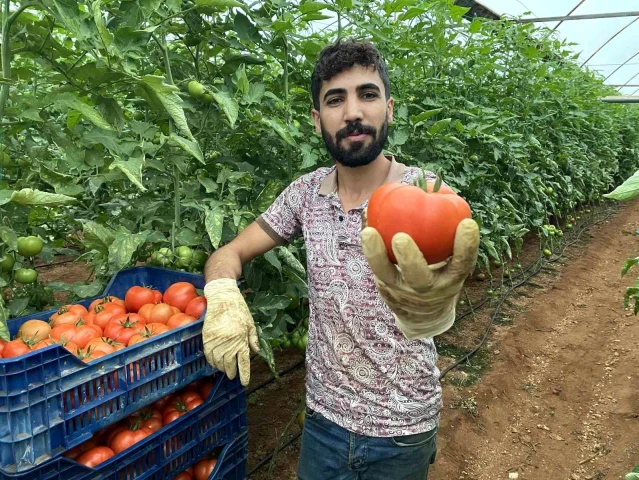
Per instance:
(372,388)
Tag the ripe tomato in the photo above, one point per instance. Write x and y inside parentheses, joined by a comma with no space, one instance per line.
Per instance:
(3,342)
(138,296)
(150,330)
(68,318)
(122,327)
(103,344)
(44,343)
(89,356)
(95,456)
(15,348)
(430,218)
(79,309)
(105,312)
(73,348)
(158,296)
(127,438)
(180,294)
(62,333)
(106,301)
(179,319)
(204,468)
(34,330)
(196,307)
(78,450)
(157,313)
(180,405)
(150,418)
(84,334)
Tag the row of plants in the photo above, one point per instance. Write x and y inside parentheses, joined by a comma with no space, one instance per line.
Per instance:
(155,131)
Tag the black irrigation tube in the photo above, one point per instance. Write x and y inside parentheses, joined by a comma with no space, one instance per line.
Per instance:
(272,378)
(266,459)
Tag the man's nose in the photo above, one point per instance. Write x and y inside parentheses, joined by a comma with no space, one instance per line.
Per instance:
(353,110)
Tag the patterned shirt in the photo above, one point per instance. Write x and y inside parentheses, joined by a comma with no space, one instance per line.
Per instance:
(362,372)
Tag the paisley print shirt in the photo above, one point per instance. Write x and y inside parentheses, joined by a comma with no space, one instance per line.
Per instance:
(362,372)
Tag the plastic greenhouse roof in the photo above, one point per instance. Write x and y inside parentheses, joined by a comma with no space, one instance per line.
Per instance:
(607,45)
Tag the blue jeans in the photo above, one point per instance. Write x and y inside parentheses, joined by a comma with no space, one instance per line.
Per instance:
(330,452)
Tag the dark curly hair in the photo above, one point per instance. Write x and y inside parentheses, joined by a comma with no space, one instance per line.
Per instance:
(341,56)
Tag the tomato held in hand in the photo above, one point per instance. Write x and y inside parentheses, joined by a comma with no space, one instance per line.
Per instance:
(179,295)
(137,296)
(429,217)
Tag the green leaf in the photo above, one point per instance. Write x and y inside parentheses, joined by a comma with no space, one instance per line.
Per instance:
(189,146)
(97,236)
(268,302)
(242,81)
(632,476)
(268,194)
(209,6)
(475,25)
(628,190)
(399,137)
(417,119)
(245,29)
(188,237)
(8,236)
(271,257)
(255,93)
(439,125)
(17,306)
(122,249)
(4,330)
(214,223)
(281,129)
(132,43)
(68,101)
(290,260)
(266,352)
(311,7)
(228,105)
(132,168)
(206,181)
(628,265)
(314,17)
(28,196)
(105,35)
(168,96)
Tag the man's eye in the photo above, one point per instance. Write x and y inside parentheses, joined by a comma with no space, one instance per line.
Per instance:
(334,101)
(370,95)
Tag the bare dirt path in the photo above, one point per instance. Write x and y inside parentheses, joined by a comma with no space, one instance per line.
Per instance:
(561,399)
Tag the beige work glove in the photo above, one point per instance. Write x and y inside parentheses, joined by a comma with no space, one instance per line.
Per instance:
(228,329)
(422,297)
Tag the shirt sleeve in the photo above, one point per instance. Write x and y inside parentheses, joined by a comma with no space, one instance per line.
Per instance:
(283,219)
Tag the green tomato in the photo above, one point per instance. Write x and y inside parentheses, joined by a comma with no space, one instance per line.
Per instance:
(497,263)
(296,124)
(195,89)
(547,252)
(207,98)
(6,263)
(184,253)
(26,275)
(481,276)
(138,116)
(569,226)
(199,258)
(474,158)
(462,303)
(295,302)
(29,246)
(275,342)
(549,190)
(304,340)
(295,335)
(192,40)
(286,343)
(155,258)
(560,233)
(306,322)
(165,256)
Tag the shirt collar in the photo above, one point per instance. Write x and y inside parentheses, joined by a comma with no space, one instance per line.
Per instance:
(395,174)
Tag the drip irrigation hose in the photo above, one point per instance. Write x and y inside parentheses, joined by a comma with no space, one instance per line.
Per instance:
(272,378)
(266,459)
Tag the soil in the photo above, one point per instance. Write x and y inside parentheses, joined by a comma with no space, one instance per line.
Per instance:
(552,394)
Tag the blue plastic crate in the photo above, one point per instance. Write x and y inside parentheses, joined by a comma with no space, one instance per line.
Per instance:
(220,421)
(51,401)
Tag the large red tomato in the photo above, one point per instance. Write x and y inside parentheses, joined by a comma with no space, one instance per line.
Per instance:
(204,468)
(137,296)
(179,295)
(430,218)
(122,327)
(129,437)
(196,307)
(95,456)
(15,348)
(157,313)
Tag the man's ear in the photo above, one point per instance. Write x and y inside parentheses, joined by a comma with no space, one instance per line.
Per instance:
(389,110)
(316,120)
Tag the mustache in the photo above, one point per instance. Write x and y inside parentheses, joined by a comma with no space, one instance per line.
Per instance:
(355,129)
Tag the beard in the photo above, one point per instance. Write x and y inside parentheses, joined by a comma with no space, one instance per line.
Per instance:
(356,154)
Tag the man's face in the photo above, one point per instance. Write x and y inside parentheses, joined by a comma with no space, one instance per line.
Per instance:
(354,116)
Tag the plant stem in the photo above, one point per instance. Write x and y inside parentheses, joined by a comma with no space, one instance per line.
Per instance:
(288,107)
(339,26)
(6,57)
